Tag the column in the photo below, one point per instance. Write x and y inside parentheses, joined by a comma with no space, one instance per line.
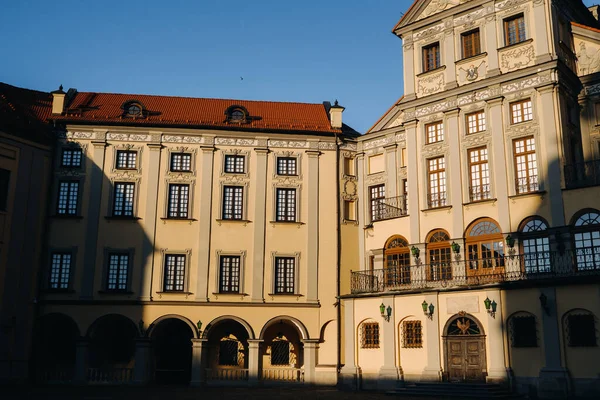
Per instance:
(142,371)
(254,361)
(447,46)
(150,218)
(198,377)
(363,209)
(498,162)
(349,373)
(312,221)
(260,220)
(491,43)
(92,219)
(433,369)
(82,350)
(454,175)
(409,67)
(412,171)
(392,171)
(204,220)
(388,373)
(310,360)
(495,338)
(539,33)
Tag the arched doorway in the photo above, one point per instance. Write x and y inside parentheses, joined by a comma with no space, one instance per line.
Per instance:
(171,339)
(485,251)
(54,348)
(439,260)
(227,351)
(282,353)
(464,349)
(397,262)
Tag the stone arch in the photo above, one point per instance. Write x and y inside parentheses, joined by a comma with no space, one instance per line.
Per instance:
(224,318)
(462,315)
(100,320)
(294,321)
(112,342)
(66,318)
(54,346)
(153,325)
(322,331)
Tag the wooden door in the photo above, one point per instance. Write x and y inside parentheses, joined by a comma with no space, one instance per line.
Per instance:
(465,359)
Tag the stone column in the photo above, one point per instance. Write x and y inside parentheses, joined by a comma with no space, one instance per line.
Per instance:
(312,222)
(198,377)
(497,158)
(392,171)
(254,361)
(433,369)
(454,175)
(364,207)
(388,373)
(412,170)
(142,371)
(205,219)
(491,36)
(495,338)
(409,67)
(311,346)
(260,221)
(350,372)
(82,353)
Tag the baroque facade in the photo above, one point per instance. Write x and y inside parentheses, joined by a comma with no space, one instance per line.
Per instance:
(480,253)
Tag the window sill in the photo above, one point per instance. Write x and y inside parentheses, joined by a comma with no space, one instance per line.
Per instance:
(528,194)
(480,202)
(115,292)
(442,208)
(285,295)
(287,223)
(58,291)
(65,216)
(118,218)
(180,171)
(522,122)
(431,71)
(190,220)
(230,294)
(125,169)
(239,221)
(515,44)
(169,292)
(69,168)
(471,58)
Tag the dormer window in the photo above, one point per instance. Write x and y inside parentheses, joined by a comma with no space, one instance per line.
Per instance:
(133,109)
(237,115)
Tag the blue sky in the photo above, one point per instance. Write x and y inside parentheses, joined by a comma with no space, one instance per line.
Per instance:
(306,51)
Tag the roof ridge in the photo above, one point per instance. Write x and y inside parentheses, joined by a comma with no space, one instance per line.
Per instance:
(22,88)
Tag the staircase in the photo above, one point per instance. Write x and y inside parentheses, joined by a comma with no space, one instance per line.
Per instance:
(442,390)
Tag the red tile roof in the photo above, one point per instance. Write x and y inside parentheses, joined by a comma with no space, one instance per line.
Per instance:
(25,112)
(106,108)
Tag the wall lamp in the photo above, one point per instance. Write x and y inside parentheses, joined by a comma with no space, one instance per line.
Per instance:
(199,325)
(384,310)
(455,247)
(428,309)
(490,306)
(415,252)
(544,303)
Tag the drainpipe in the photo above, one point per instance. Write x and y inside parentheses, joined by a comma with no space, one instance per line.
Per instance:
(339,253)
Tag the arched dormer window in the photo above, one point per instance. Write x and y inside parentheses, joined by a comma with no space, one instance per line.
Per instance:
(236,114)
(586,237)
(535,245)
(397,262)
(439,256)
(485,249)
(133,109)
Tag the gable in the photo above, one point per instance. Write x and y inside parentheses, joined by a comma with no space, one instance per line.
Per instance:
(422,9)
(392,118)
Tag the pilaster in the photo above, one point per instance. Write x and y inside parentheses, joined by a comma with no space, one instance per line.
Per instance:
(452,136)
(433,369)
(498,161)
(448,54)
(497,370)
(388,373)
(363,209)
(204,221)
(412,171)
(311,347)
(254,364)
(539,32)
(409,66)
(198,377)
(312,220)
(349,373)
(491,40)
(142,371)
(391,167)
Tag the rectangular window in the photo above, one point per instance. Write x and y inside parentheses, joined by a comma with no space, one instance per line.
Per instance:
(370,335)
(436,174)
(234,164)
(514,30)
(523,331)
(412,334)
(118,272)
(233,202)
(60,271)
(174,273)
(286,166)
(181,162)
(349,166)
(285,270)
(179,197)
(285,205)
(377,198)
(479,185)
(435,132)
(525,165)
(229,274)
(476,122)
(4,185)
(431,57)
(521,111)
(68,194)
(126,159)
(581,330)
(123,199)
(71,158)
(470,43)
(349,210)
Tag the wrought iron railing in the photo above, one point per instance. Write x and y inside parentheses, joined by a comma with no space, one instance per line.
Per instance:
(479,192)
(481,271)
(582,174)
(527,184)
(436,200)
(390,207)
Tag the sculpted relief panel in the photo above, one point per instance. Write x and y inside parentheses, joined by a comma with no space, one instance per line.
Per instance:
(435,6)
(430,84)
(516,58)
(588,57)
(471,72)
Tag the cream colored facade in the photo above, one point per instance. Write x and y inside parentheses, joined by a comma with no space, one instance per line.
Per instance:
(481,184)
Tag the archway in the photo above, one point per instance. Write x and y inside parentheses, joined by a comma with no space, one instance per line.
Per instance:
(54,348)
(282,353)
(227,349)
(171,339)
(485,251)
(112,344)
(464,349)
(397,262)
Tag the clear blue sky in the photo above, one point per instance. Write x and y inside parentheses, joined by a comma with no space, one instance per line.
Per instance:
(306,51)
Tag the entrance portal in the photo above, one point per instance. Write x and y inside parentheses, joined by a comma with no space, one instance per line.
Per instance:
(464,345)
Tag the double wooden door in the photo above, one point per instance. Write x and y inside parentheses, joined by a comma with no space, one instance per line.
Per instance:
(465,358)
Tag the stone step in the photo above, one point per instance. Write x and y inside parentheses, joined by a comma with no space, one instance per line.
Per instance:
(453,390)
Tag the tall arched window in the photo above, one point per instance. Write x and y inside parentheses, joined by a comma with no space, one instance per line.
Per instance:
(438,256)
(535,245)
(485,248)
(397,262)
(586,235)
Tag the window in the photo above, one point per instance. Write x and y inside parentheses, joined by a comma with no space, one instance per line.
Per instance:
(431,57)
(435,132)
(436,174)
(126,159)
(229,274)
(233,202)
(485,249)
(4,185)
(60,271)
(174,273)
(68,194)
(521,111)
(587,240)
(397,262)
(479,185)
(377,198)
(234,164)
(179,197)
(349,210)
(118,272)
(230,350)
(181,162)
(286,166)
(285,205)
(581,329)
(523,332)
(370,335)
(476,122)
(470,43)
(349,166)
(285,269)
(280,351)
(123,199)
(133,109)
(439,266)
(525,165)
(535,246)
(412,334)
(71,158)
(514,30)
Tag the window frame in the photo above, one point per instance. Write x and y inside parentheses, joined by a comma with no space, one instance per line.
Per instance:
(184,281)
(179,213)
(431,56)
(129,262)
(524,110)
(521,30)
(412,337)
(124,214)
(235,202)
(568,329)
(286,205)
(530,162)
(235,165)
(284,160)
(377,204)
(517,338)
(233,287)
(181,169)
(128,155)
(438,132)
(440,177)
(72,150)
(534,240)
(479,171)
(439,256)
(370,337)
(69,274)
(476,43)
(284,289)
(69,198)
(480,123)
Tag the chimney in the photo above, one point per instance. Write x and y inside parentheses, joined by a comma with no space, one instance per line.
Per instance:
(58,101)
(335,115)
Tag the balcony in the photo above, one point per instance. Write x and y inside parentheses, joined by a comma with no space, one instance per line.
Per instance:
(582,174)
(473,272)
(388,208)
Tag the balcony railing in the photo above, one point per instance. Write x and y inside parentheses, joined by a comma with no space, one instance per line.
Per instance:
(435,200)
(479,193)
(388,208)
(527,184)
(470,272)
(582,174)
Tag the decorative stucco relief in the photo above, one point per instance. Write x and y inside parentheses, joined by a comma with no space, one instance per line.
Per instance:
(397,122)
(288,143)
(513,131)
(428,33)
(507,88)
(79,135)
(509,5)
(350,190)
(326,146)
(183,139)
(348,146)
(376,143)
(430,84)
(591,90)
(470,20)
(375,179)
(471,72)
(588,57)
(435,108)
(436,6)
(400,137)
(520,57)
